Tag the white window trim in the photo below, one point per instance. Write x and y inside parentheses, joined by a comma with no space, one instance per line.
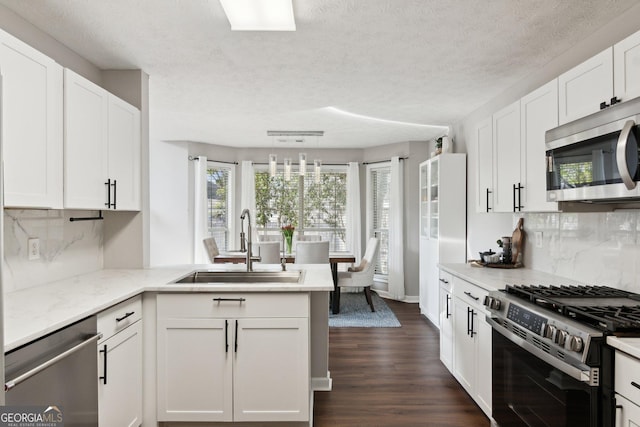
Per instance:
(231,199)
(370,168)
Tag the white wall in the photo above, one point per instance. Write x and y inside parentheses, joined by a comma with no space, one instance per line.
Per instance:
(591,247)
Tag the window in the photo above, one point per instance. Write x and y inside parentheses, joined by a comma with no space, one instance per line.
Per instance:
(313,208)
(220,203)
(378,183)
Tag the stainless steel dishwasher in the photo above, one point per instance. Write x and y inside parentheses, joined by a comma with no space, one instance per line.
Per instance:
(58,369)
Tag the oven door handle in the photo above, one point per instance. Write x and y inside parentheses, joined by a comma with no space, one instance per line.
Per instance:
(575,373)
(621,155)
(17,380)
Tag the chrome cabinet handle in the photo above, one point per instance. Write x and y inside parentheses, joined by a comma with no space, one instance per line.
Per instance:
(17,380)
(623,156)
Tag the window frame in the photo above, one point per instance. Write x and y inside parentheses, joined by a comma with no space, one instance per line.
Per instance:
(370,208)
(231,216)
(300,214)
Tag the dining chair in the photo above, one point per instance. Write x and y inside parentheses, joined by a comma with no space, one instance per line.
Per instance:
(309,238)
(312,252)
(362,275)
(211,247)
(269,252)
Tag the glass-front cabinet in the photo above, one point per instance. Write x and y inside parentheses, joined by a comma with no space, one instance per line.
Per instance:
(433,198)
(442,224)
(424,200)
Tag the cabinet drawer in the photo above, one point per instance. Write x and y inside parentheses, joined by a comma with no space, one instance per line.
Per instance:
(118,317)
(469,293)
(226,305)
(627,374)
(445,280)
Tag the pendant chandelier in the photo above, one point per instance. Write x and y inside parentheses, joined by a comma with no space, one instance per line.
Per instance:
(302,157)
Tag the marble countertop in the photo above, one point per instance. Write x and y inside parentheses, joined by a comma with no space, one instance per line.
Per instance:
(34,312)
(630,346)
(496,278)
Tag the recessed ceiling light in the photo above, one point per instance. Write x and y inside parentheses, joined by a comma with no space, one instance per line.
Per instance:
(259,15)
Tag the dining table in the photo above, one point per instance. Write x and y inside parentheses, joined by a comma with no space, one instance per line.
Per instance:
(335,258)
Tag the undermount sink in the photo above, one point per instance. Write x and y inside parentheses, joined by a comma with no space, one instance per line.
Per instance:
(205,276)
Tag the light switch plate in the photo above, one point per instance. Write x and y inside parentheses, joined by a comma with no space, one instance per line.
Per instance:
(33,246)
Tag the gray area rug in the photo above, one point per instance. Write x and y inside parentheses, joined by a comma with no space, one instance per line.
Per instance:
(356,313)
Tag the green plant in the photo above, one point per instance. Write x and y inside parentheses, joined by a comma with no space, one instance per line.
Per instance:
(439,142)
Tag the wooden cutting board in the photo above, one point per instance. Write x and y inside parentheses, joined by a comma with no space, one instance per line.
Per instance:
(517,241)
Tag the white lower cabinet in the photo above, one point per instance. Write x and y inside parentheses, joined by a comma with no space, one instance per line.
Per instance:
(471,342)
(240,357)
(446,320)
(120,365)
(626,382)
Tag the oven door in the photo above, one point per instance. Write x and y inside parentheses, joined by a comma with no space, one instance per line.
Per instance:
(597,164)
(529,392)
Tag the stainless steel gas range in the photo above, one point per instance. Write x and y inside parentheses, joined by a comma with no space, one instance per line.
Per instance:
(551,364)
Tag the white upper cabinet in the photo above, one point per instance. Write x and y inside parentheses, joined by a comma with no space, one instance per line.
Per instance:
(538,113)
(85,143)
(124,153)
(506,143)
(31,126)
(583,88)
(626,67)
(101,148)
(483,134)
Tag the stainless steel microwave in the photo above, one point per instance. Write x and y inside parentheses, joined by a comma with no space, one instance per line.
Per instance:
(596,158)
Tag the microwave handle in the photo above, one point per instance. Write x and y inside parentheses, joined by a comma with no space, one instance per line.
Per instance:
(621,154)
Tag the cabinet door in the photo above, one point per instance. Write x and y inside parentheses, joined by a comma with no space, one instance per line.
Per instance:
(85,143)
(124,153)
(483,360)
(627,413)
(31,126)
(423,273)
(584,87)
(626,68)
(539,113)
(506,156)
(120,384)
(424,200)
(195,369)
(464,354)
(430,265)
(446,328)
(271,370)
(484,165)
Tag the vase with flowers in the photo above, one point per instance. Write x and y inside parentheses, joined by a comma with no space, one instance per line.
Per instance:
(287,232)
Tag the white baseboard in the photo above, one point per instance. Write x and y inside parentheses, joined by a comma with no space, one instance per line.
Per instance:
(322,383)
(407,298)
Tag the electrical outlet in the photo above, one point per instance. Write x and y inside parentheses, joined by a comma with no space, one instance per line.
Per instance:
(538,236)
(34,249)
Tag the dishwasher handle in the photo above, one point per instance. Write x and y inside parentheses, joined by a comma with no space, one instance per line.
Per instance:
(17,380)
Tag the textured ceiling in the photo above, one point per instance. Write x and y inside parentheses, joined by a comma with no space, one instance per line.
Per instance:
(428,62)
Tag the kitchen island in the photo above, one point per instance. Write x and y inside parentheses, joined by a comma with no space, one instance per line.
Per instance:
(34,312)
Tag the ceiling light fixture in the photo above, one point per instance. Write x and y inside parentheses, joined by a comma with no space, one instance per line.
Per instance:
(302,157)
(259,15)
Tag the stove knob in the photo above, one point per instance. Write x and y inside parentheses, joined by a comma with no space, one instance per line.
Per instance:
(548,330)
(494,304)
(561,337)
(575,343)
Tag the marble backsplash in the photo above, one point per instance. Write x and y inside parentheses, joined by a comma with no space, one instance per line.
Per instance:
(600,248)
(66,248)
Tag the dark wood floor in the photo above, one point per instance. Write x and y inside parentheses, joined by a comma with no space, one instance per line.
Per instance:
(392,377)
